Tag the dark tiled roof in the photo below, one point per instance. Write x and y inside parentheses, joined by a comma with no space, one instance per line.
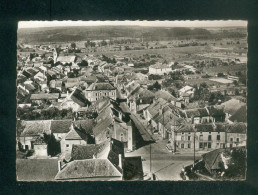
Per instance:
(85,125)
(36,127)
(36,169)
(60,126)
(102,126)
(132,168)
(216,110)
(165,95)
(86,169)
(78,97)
(100,86)
(142,130)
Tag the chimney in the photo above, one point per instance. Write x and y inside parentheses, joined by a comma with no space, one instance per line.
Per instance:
(120,161)
(59,165)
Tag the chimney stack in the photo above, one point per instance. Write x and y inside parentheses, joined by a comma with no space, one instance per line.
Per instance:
(59,165)
(120,161)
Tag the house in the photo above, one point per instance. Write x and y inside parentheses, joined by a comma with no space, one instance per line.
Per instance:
(198,115)
(98,90)
(75,136)
(159,69)
(40,76)
(209,136)
(231,106)
(186,89)
(240,115)
(75,100)
(60,128)
(33,130)
(104,161)
(217,113)
(40,98)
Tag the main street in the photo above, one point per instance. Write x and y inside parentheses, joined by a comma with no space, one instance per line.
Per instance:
(164,164)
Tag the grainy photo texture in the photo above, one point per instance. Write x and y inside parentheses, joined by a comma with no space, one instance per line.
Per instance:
(131,100)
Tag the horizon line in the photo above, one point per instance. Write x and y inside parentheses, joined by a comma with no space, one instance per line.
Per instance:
(182,23)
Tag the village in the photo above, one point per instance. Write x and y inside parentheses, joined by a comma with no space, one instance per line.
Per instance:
(131,109)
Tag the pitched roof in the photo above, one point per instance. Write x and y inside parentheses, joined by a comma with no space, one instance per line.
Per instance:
(100,86)
(75,134)
(60,126)
(141,128)
(44,96)
(196,112)
(80,152)
(67,59)
(102,126)
(231,106)
(240,115)
(78,97)
(36,127)
(36,169)
(87,169)
(85,125)
(165,95)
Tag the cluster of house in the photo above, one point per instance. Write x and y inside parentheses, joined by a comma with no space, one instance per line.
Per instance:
(127,114)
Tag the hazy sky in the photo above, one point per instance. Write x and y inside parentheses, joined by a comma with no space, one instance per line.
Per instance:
(186,23)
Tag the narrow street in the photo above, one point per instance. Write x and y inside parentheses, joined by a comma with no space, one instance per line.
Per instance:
(164,164)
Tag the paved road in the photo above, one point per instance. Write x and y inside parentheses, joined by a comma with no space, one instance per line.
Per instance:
(165,165)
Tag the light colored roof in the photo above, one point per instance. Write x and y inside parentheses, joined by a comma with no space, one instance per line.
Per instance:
(44,96)
(159,66)
(186,88)
(67,59)
(231,106)
(86,169)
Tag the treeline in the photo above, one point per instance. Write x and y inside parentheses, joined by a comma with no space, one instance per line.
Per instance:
(52,113)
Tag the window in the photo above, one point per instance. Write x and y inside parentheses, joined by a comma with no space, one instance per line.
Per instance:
(237,139)
(201,145)
(201,137)
(26,147)
(67,145)
(209,137)
(209,145)
(189,145)
(105,94)
(231,139)
(182,145)
(122,136)
(182,138)
(218,137)
(189,138)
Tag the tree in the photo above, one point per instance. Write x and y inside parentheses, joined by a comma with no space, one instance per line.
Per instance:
(73,45)
(155,86)
(83,63)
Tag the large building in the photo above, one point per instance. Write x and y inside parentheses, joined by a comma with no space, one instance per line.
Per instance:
(98,90)
(159,69)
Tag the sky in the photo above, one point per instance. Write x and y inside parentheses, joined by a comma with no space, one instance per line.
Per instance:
(184,23)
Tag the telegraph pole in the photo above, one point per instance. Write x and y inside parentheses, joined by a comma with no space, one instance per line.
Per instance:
(150,157)
(194,148)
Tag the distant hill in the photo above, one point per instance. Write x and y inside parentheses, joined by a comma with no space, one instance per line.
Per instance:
(83,33)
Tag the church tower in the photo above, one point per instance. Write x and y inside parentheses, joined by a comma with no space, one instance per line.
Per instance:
(55,55)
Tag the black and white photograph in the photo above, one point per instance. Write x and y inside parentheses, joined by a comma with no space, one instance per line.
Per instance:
(131,100)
